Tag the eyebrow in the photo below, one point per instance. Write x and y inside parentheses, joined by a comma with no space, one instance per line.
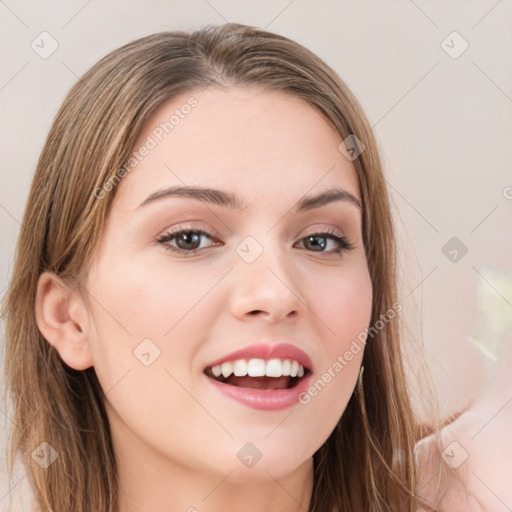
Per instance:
(228,199)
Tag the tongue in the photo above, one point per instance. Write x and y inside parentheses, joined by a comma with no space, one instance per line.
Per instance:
(259,382)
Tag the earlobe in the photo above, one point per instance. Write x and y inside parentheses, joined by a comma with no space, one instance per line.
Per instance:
(61,316)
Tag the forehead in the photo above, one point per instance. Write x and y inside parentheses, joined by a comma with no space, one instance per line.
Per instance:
(261,143)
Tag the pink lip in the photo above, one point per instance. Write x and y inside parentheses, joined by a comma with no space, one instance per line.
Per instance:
(264,399)
(263,351)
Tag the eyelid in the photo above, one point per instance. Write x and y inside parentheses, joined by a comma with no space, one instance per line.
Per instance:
(313,229)
(212,233)
(191,226)
(343,244)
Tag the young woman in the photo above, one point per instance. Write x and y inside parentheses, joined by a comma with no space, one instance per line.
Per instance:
(203,312)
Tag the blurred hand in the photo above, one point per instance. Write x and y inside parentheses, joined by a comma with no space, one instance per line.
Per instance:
(473,472)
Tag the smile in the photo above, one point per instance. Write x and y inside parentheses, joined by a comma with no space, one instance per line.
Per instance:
(264,377)
(258,373)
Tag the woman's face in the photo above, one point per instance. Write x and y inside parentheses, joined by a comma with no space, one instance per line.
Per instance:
(259,269)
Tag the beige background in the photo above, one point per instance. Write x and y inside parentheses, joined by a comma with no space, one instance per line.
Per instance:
(444,125)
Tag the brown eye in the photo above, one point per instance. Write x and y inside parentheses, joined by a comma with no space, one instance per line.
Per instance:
(185,241)
(188,241)
(315,243)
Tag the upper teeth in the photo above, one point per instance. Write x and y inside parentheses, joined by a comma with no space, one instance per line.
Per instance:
(259,368)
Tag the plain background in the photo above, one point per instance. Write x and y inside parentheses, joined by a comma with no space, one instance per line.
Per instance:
(444,125)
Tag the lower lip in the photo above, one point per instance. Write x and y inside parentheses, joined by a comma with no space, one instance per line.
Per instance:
(264,399)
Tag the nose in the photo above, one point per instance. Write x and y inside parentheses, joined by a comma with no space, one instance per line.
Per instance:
(265,289)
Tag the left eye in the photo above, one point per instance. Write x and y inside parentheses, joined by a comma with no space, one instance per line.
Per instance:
(189,241)
(319,241)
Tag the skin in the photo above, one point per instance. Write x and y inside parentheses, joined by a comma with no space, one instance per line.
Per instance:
(175,437)
(479,448)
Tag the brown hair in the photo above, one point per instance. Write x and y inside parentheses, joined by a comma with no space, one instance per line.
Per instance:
(367,463)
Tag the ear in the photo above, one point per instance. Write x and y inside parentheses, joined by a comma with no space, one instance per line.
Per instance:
(61,316)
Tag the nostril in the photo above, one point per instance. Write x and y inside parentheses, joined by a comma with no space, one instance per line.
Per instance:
(255,312)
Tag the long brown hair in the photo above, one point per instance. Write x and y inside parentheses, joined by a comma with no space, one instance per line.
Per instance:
(367,463)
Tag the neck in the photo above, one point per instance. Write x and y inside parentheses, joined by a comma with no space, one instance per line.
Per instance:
(144,488)
(192,492)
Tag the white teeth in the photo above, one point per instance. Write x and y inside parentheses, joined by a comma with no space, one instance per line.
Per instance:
(274,368)
(227,369)
(256,368)
(259,368)
(240,368)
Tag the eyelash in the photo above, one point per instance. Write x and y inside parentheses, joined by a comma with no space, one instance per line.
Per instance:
(343,244)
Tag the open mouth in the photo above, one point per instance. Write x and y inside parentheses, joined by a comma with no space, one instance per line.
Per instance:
(258,373)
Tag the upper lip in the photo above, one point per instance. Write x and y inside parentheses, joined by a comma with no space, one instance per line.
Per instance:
(264,351)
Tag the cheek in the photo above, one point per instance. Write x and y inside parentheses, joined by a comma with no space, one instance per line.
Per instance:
(148,328)
(342,302)
(145,300)
(142,316)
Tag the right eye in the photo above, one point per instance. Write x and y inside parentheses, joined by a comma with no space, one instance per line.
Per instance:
(184,241)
